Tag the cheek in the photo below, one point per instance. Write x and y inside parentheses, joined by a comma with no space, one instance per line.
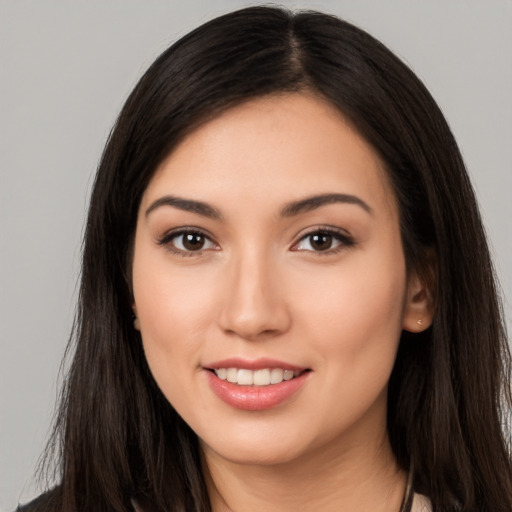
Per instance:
(173,306)
(167,312)
(173,313)
(355,313)
(355,329)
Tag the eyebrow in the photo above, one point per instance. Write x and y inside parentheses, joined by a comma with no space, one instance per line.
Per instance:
(314,202)
(187,205)
(290,210)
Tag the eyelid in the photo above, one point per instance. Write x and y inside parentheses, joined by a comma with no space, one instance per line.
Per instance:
(166,240)
(342,236)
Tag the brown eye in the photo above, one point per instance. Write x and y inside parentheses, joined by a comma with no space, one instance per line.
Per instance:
(187,242)
(327,241)
(193,241)
(321,241)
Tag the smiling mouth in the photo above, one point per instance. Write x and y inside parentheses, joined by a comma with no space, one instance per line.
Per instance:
(261,377)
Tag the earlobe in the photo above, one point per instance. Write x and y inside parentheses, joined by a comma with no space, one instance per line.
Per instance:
(419,306)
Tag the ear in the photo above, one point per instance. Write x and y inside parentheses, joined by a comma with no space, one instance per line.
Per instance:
(419,305)
(136,321)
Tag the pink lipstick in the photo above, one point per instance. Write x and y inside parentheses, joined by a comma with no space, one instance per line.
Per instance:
(255,385)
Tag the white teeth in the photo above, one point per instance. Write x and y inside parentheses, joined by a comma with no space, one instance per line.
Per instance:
(222,373)
(276,375)
(245,377)
(263,377)
(232,375)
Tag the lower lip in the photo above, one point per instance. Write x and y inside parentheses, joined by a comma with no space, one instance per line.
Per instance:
(255,398)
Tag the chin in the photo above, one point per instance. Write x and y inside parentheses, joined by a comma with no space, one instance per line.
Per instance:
(257,457)
(258,450)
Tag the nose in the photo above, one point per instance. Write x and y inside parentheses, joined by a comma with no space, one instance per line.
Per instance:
(255,305)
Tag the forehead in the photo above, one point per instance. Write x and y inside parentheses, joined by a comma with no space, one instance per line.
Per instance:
(273,148)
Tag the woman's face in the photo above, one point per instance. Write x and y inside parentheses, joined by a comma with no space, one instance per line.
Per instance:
(270,283)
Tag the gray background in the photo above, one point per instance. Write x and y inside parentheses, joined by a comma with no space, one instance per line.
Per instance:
(66,68)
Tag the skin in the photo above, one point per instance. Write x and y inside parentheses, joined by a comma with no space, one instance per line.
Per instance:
(260,288)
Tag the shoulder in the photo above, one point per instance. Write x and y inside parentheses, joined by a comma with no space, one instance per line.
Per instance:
(46,502)
(421,503)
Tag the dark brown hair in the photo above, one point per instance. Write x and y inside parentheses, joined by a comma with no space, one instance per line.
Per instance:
(117,436)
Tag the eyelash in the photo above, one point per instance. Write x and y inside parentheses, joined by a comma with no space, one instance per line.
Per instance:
(345,241)
(167,241)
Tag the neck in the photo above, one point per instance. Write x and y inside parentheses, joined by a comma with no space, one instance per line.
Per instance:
(357,476)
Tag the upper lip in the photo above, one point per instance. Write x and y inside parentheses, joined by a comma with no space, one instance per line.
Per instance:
(254,364)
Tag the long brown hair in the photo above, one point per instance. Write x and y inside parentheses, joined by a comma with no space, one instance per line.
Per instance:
(449,396)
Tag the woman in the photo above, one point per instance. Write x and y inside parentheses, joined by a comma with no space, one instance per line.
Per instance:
(287,300)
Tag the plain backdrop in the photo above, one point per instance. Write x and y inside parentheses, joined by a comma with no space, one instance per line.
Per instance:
(66,68)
